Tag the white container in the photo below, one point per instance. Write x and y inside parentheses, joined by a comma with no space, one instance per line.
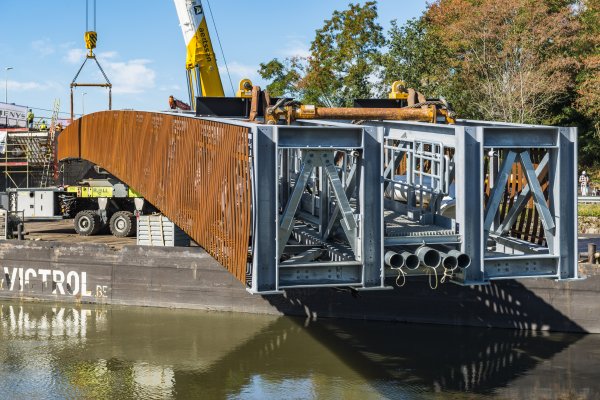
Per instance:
(158,230)
(35,203)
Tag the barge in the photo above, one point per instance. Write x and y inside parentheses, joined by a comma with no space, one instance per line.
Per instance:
(122,273)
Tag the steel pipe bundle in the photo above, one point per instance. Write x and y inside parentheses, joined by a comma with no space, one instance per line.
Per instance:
(400,260)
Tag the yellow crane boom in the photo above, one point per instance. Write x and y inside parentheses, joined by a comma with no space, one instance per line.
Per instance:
(201,64)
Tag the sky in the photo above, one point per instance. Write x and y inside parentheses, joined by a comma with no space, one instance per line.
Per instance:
(141,47)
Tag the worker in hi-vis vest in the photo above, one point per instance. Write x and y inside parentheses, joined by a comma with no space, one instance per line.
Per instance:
(30,117)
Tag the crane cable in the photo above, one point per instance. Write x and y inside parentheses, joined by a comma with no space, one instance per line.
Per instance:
(87,15)
(212,16)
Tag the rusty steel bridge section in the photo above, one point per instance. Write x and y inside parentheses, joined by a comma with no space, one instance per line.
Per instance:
(321,203)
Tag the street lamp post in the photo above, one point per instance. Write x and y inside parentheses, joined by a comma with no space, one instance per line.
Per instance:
(83,104)
(6,83)
(6,69)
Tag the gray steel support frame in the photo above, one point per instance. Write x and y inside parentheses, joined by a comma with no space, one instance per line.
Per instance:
(264,236)
(272,230)
(563,175)
(469,200)
(471,141)
(353,196)
(371,199)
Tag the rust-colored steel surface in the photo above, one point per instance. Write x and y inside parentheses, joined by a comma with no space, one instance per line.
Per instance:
(196,172)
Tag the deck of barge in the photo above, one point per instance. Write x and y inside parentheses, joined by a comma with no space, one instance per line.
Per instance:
(62,231)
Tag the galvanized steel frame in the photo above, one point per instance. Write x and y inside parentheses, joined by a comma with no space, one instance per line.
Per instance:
(471,140)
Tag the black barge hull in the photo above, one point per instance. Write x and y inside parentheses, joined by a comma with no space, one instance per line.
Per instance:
(190,278)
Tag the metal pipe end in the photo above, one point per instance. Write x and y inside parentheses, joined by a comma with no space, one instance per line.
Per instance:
(464,260)
(394,260)
(449,262)
(429,257)
(411,261)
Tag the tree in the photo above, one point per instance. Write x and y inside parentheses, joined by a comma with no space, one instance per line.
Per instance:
(343,63)
(415,57)
(510,60)
(589,82)
(284,76)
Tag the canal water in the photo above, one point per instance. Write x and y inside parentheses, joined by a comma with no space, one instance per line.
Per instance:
(85,352)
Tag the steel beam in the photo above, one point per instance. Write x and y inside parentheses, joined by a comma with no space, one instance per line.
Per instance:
(497,193)
(563,178)
(522,199)
(265,232)
(469,199)
(371,208)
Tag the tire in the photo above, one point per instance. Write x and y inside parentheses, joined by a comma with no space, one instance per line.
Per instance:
(122,224)
(87,223)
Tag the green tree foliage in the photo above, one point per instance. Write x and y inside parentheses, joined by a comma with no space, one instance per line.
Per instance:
(528,61)
(413,56)
(284,76)
(344,60)
(344,56)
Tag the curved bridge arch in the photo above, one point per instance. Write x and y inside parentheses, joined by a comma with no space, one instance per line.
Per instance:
(196,172)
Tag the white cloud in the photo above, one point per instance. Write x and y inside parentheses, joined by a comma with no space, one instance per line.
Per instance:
(169,88)
(75,56)
(295,48)
(43,47)
(239,71)
(31,85)
(108,54)
(66,45)
(127,77)
(133,76)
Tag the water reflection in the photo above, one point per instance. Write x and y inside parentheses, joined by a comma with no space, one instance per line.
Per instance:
(94,352)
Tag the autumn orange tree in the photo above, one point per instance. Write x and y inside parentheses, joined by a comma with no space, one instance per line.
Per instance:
(589,86)
(507,60)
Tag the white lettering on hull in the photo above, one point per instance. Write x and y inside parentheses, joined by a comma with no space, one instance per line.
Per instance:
(58,282)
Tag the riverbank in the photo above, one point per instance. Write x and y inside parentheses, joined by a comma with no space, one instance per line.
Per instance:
(588,224)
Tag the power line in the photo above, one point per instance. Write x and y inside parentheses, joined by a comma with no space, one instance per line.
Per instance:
(45,109)
(212,16)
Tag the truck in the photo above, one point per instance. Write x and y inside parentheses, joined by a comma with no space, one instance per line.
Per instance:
(95,205)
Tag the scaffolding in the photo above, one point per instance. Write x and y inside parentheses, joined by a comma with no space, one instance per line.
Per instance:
(22,159)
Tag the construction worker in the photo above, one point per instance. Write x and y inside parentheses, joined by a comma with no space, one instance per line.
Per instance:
(30,117)
(584,181)
(43,126)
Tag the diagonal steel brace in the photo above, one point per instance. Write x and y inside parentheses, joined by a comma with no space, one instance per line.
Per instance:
(541,171)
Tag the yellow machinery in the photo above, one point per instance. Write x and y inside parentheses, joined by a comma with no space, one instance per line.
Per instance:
(97,204)
(201,64)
